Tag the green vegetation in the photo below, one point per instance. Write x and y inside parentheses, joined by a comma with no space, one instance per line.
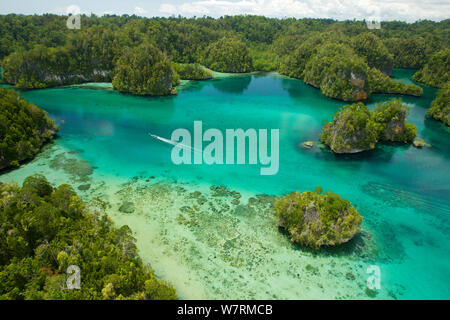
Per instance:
(144,70)
(380,83)
(327,61)
(440,107)
(264,59)
(356,129)
(39,67)
(46,229)
(338,72)
(86,57)
(408,52)
(24,128)
(293,58)
(390,117)
(369,46)
(38,51)
(316,219)
(349,69)
(191,71)
(228,55)
(353,130)
(436,72)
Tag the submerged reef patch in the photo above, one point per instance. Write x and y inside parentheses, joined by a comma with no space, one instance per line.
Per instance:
(80,170)
(236,250)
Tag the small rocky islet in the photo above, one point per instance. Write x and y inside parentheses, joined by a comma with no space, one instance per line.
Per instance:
(316,219)
(355,128)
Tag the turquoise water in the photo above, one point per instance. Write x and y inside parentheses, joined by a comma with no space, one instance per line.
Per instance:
(402,192)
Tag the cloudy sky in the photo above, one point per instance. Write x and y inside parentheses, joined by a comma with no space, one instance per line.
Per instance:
(406,10)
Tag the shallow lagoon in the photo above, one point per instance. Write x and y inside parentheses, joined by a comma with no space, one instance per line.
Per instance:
(223,243)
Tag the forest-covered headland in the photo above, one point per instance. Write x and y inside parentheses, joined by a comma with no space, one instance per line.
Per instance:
(344,59)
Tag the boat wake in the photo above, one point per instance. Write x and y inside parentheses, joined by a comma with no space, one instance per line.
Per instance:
(174,143)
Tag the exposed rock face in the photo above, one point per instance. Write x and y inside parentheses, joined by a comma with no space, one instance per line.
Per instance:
(166,81)
(395,127)
(359,95)
(349,144)
(62,79)
(312,84)
(311,213)
(359,83)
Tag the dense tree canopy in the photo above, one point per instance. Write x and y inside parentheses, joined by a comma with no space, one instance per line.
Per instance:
(295,52)
(86,56)
(340,66)
(228,55)
(38,67)
(380,83)
(338,72)
(191,71)
(144,70)
(440,107)
(407,52)
(40,51)
(24,128)
(44,230)
(316,219)
(436,72)
(369,46)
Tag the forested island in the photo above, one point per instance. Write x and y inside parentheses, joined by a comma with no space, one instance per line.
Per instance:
(315,219)
(144,70)
(345,60)
(355,128)
(24,129)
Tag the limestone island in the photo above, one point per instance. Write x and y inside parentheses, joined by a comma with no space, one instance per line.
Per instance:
(345,69)
(316,219)
(355,128)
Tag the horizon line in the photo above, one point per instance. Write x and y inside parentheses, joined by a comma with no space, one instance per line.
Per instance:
(215,18)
